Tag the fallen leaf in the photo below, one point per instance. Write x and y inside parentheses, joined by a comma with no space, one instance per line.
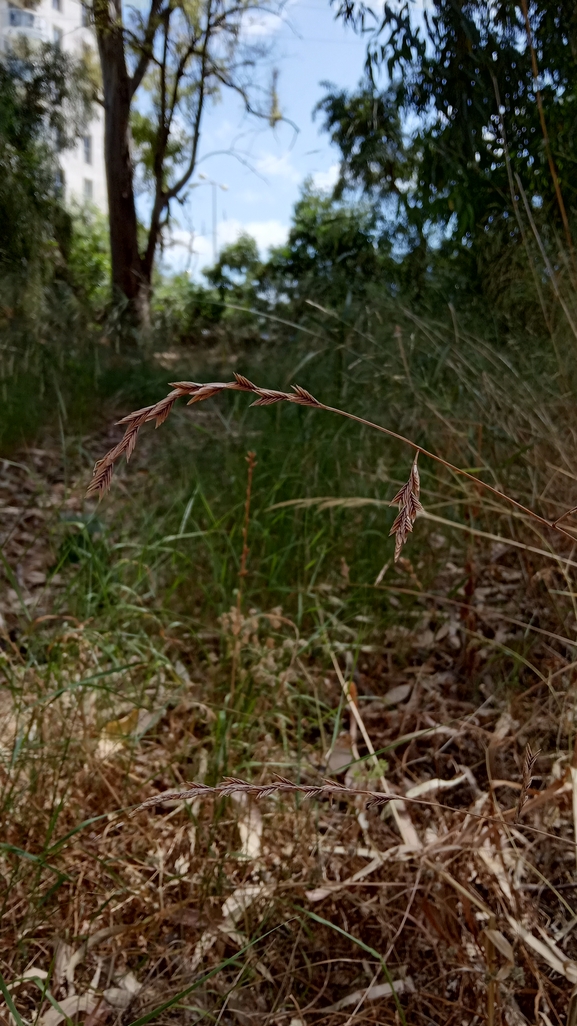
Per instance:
(69,1007)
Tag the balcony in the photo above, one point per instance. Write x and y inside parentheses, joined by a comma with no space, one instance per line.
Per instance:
(18,22)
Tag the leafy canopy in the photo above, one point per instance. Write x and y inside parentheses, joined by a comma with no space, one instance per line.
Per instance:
(463,100)
(44,104)
(333,250)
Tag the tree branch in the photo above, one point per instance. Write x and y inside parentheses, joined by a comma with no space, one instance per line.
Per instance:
(145,46)
(181,182)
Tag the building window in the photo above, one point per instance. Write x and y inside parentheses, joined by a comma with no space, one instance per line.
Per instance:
(59,182)
(87,188)
(57,5)
(57,35)
(84,16)
(87,143)
(21,19)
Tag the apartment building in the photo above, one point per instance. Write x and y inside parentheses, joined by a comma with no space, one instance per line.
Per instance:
(66,24)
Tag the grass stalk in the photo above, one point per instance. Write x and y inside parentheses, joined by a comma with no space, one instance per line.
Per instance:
(158,412)
(251,464)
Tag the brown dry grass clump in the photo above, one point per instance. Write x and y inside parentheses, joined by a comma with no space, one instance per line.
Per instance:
(381,830)
(318,912)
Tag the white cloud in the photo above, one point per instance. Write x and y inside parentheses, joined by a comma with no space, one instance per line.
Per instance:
(326,179)
(193,252)
(261,24)
(279,167)
(266,233)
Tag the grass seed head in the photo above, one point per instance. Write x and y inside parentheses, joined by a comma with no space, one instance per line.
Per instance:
(528,768)
(103,470)
(407,499)
(235,785)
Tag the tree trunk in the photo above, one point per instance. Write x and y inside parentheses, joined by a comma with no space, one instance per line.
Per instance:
(129,276)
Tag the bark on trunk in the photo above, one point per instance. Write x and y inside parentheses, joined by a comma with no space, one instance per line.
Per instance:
(129,276)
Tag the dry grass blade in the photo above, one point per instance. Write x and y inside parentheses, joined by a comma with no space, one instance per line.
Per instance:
(550,952)
(572,1010)
(407,499)
(528,767)
(372,993)
(398,807)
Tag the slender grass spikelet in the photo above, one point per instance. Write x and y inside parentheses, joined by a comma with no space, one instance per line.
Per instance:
(528,768)
(407,499)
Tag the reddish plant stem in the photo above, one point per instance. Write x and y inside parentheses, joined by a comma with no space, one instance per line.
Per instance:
(251,461)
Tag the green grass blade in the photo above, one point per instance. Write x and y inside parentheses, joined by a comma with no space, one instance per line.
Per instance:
(36,859)
(365,947)
(10,1003)
(13,581)
(194,986)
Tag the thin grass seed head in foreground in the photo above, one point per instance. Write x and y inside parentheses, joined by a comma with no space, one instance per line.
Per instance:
(235,785)
(407,498)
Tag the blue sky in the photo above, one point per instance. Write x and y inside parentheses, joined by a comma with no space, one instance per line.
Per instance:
(308,47)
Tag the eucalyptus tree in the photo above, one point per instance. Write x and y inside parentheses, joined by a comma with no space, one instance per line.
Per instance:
(161,68)
(479,98)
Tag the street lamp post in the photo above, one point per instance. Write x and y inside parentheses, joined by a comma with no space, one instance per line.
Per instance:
(215,186)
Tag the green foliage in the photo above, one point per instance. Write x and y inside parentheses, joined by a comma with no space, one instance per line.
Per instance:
(89,257)
(145,135)
(183,310)
(45,95)
(52,260)
(334,250)
(236,273)
(367,128)
(464,93)
(42,99)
